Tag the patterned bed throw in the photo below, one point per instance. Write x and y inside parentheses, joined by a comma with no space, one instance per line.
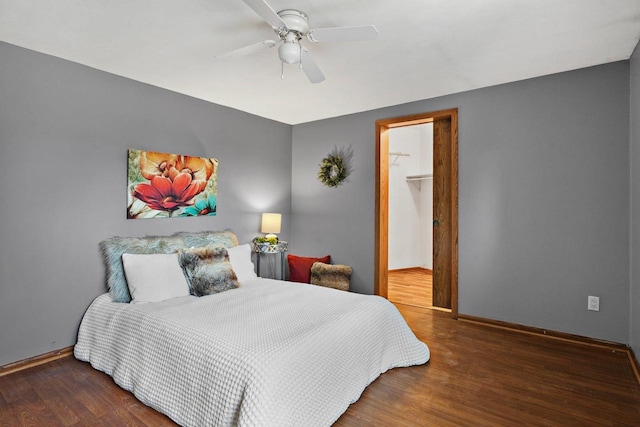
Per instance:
(268,353)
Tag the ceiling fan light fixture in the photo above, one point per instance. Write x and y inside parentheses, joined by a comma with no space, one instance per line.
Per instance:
(289,52)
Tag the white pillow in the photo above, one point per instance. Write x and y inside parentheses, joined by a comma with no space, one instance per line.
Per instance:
(154,277)
(240,258)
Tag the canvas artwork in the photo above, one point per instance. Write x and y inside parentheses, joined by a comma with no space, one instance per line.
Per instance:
(163,185)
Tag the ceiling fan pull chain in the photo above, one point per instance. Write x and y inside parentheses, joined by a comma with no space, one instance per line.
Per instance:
(282,71)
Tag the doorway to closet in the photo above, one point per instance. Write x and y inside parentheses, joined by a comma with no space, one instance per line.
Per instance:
(410,237)
(437,220)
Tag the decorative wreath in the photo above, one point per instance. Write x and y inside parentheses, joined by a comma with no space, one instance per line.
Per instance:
(336,167)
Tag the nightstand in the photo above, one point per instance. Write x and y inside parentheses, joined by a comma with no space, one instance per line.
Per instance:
(267,248)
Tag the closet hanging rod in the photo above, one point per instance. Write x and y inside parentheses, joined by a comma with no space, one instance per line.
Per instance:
(397,154)
(419,177)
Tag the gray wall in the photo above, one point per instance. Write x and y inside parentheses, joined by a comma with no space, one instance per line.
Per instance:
(635,202)
(544,191)
(543,199)
(64,133)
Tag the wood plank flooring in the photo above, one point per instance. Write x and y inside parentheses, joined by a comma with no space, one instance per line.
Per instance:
(410,286)
(478,375)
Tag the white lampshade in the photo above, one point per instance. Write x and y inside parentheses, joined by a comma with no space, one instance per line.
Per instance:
(271,222)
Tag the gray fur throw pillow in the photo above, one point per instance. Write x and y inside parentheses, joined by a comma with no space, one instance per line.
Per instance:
(331,276)
(208,270)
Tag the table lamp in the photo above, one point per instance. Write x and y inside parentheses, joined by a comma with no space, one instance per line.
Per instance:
(271,223)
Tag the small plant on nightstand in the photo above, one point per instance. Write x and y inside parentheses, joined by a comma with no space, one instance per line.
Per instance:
(271,240)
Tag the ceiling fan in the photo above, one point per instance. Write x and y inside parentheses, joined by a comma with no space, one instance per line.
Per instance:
(290,27)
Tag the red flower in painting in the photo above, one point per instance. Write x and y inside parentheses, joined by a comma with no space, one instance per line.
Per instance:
(166,195)
(169,165)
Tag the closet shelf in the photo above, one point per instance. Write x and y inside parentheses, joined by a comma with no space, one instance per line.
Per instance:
(419,177)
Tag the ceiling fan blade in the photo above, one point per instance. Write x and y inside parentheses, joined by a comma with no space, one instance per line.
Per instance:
(247,50)
(265,11)
(337,34)
(310,68)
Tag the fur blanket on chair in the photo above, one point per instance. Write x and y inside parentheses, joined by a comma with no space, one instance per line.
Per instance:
(331,276)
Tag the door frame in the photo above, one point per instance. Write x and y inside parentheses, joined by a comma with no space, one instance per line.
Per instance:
(382,197)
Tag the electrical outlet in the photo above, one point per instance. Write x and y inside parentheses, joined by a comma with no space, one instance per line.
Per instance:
(593,303)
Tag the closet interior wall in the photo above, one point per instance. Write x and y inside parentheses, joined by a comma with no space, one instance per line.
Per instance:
(411,197)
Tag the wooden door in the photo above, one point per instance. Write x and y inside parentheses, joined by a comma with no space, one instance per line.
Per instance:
(441,213)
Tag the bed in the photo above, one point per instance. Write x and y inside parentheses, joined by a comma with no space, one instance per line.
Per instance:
(266,353)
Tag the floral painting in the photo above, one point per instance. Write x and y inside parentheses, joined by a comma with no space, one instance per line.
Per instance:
(162,185)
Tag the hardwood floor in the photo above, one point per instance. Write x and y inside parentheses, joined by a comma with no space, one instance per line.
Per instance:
(67,392)
(410,286)
(478,375)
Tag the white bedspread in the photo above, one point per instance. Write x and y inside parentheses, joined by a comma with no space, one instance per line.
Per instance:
(269,353)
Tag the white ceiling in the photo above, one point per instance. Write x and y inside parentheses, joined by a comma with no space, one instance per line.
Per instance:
(425,48)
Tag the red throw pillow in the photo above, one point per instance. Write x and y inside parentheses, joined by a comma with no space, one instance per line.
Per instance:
(300,267)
